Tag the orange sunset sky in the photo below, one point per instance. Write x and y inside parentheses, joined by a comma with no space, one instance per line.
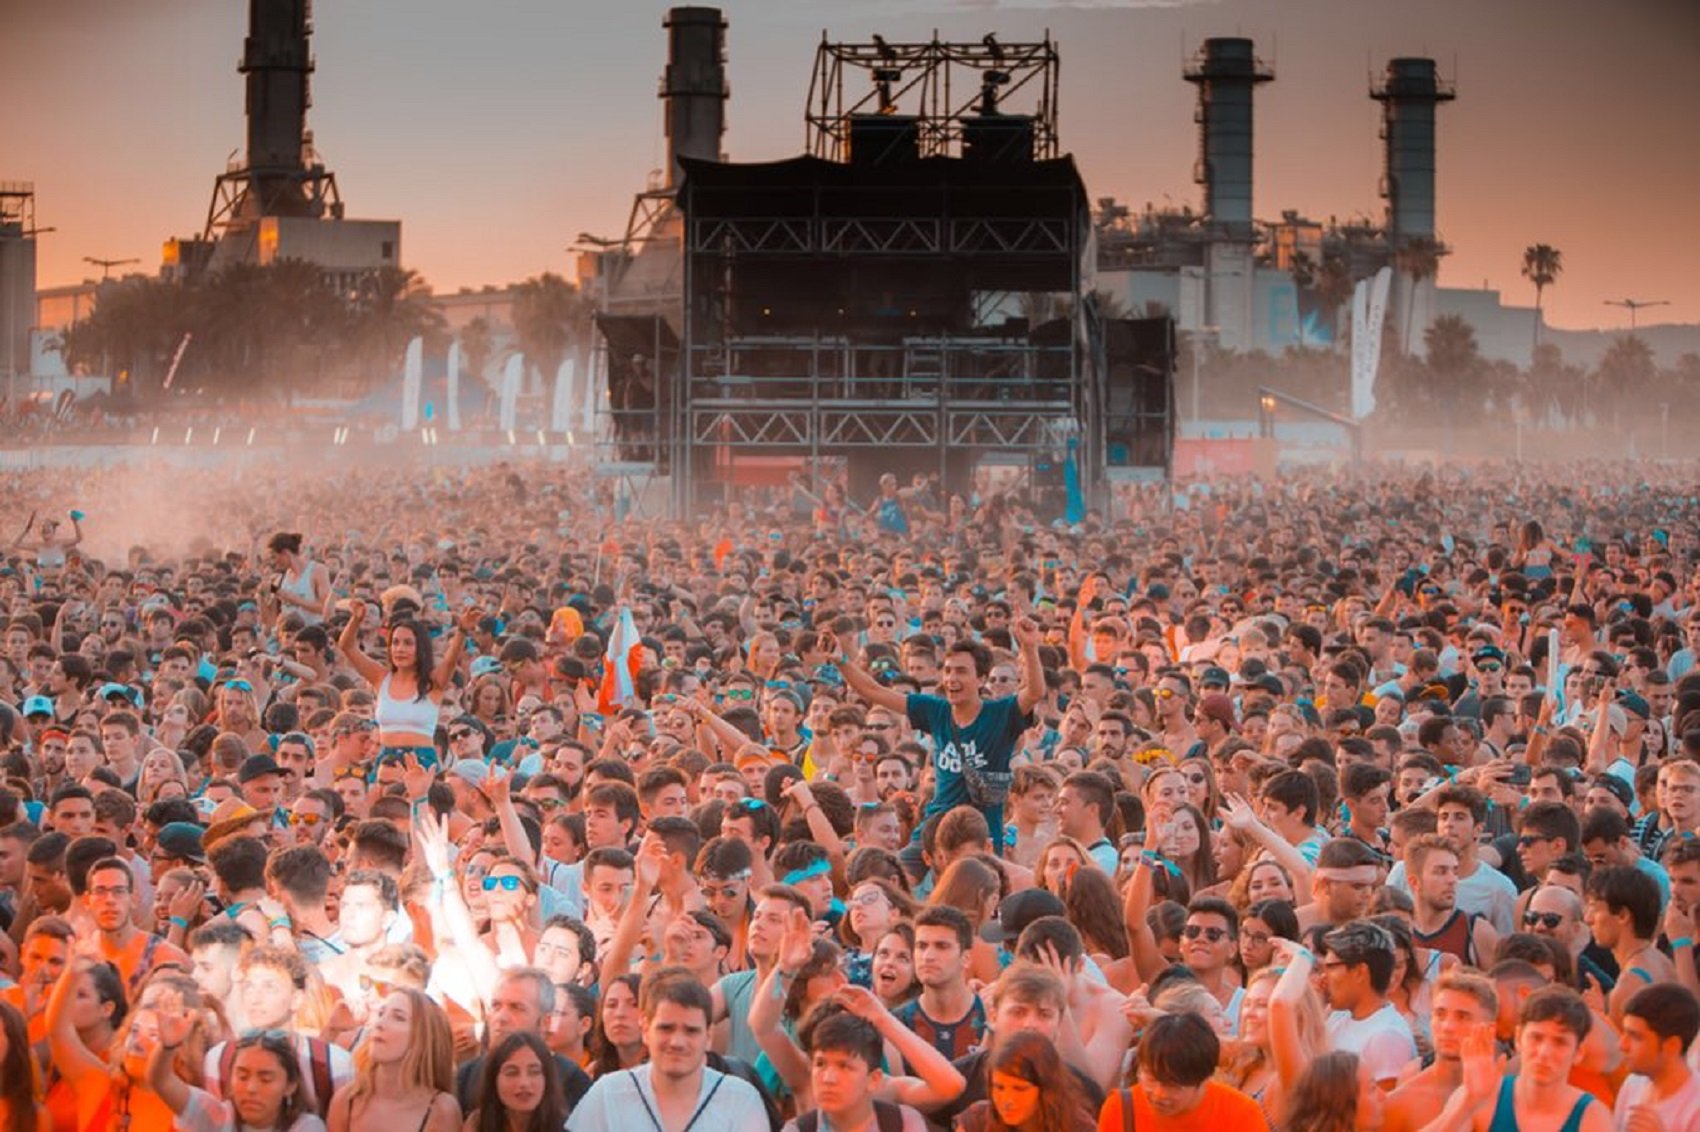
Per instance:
(497,130)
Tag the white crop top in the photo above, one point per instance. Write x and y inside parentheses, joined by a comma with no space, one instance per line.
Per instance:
(416,717)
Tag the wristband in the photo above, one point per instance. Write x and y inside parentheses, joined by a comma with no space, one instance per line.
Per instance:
(1679,944)
(179,921)
(280,922)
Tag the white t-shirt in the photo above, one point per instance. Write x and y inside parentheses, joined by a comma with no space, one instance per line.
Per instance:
(341,1067)
(626,1100)
(1679,1110)
(1382,1041)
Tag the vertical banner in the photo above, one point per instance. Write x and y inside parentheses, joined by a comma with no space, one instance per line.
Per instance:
(512,378)
(412,374)
(594,370)
(561,409)
(454,386)
(1369,315)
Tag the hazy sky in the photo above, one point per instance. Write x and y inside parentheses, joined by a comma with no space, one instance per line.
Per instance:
(497,130)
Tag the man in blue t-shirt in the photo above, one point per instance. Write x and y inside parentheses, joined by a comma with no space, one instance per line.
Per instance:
(973,739)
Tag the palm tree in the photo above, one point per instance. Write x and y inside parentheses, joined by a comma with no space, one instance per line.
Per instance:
(390,307)
(476,346)
(551,317)
(1626,370)
(1419,259)
(1542,265)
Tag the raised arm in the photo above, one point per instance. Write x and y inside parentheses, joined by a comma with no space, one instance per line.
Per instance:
(650,857)
(1290,990)
(859,679)
(1032,687)
(1237,814)
(767,1008)
(445,672)
(348,643)
(820,829)
(432,833)
(162,1075)
(75,1061)
(933,1082)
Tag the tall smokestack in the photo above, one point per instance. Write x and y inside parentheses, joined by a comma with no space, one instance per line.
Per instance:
(276,61)
(694,86)
(1408,95)
(1226,70)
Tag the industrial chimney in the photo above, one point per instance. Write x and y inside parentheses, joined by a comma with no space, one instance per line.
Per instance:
(1226,71)
(1408,95)
(276,63)
(694,86)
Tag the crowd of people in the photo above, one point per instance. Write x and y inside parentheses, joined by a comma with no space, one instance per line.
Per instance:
(447,800)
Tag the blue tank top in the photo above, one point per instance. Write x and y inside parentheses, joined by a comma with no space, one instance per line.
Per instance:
(1505,1112)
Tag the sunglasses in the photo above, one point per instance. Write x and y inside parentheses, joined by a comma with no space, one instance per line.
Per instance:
(349,772)
(379,987)
(1195,931)
(509,883)
(308,820)
(1529,839)
(1197,779)
(1548,920)
(1489,666)
(239,685)
(457,736)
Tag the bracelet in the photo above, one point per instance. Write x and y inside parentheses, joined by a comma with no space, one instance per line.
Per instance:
(1679,944)
(279,922)
(180,922)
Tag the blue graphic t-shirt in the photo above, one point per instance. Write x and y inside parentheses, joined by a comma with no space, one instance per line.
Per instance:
(891,516)
(987,744)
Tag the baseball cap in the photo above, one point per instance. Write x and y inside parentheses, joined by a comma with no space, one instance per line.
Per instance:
(485,666)
(257,766)
(1633,703)
(1488,652)
(1216,675)
(471,771)
(181,839)
(38,705)
(107,691)
(1021,909)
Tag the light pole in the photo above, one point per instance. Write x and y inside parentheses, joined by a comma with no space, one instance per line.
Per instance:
(1634,305)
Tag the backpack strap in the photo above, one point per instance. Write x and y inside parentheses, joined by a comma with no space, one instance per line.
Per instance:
(319,1068)
(1127,1109)
(810,1121)
(889,1116)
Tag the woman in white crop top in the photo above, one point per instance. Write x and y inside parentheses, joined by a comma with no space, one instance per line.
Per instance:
(409,687)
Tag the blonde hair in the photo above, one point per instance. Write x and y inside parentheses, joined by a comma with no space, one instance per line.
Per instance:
(430,1057)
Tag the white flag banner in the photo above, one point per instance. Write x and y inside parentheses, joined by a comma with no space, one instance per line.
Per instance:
(512,378)
(1369,315)
(561,409)
(411,376)
(454,386)
(593,383)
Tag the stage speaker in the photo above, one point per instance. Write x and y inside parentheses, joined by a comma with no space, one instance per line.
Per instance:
(1138,390)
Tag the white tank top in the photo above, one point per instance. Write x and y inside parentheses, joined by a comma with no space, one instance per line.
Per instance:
(416,717)
(302,587)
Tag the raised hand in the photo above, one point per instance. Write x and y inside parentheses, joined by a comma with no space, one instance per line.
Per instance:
(861,1002)
(415,778)
(499,785)
(186,901)
(1025,630)
(1482,1070)
(433,835)
(651,860)
(797,944)
(469,619)
(1679,921)
(1236,812)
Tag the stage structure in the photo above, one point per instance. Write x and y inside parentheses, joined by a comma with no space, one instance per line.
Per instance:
(910,296)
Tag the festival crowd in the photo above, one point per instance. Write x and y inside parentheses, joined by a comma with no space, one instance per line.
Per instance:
(1334,803)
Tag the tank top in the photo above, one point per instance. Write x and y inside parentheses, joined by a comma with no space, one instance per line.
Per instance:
(1505,1111)
(414,717)
(1453,938)
(302,587)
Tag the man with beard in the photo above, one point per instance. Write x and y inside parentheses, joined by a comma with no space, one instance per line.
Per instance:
(1438,922)
(1463,1003)
(134,952)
